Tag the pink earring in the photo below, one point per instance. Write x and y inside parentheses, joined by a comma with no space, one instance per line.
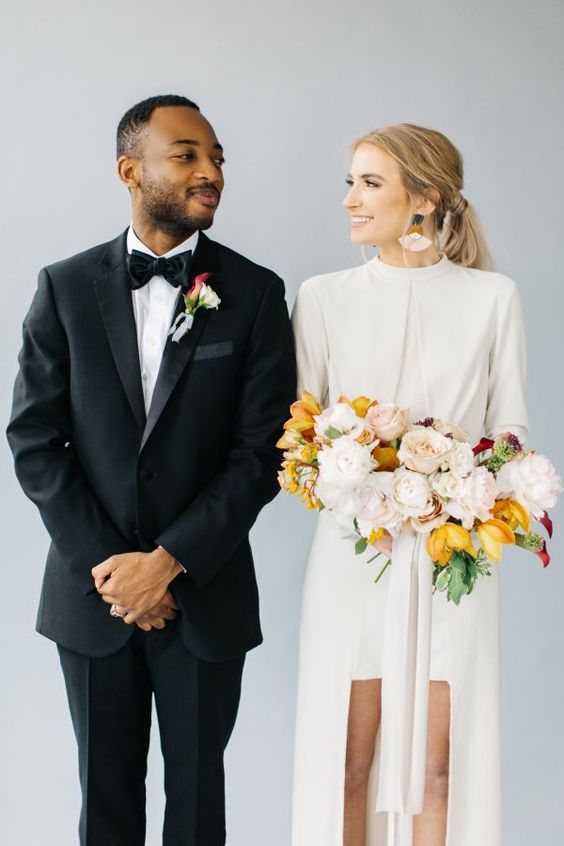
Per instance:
(414,239)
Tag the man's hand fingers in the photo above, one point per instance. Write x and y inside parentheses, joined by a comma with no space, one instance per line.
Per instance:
(112,600)
(163,611)
(143,624)
(168,599)
(103,570)
(133,615)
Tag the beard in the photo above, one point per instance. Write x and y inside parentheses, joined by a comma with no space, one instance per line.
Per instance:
(167,209)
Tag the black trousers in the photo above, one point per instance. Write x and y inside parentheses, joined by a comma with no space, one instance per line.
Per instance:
(110,703)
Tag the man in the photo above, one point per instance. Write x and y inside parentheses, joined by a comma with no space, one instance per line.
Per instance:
(155,373)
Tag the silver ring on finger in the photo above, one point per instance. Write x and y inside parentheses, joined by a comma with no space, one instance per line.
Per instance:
(115,612)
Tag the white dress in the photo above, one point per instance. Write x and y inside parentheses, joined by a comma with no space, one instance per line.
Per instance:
(443,341)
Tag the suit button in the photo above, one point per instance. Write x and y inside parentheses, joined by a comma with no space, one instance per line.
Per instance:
(145,474)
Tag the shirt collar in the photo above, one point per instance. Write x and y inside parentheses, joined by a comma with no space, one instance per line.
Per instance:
(133,243)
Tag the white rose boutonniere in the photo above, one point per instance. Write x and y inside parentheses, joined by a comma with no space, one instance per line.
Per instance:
(200,295)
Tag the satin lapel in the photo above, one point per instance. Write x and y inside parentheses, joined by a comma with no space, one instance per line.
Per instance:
(114,300)
(177,354)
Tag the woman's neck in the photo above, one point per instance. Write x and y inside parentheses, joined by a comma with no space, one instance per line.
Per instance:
(395,255)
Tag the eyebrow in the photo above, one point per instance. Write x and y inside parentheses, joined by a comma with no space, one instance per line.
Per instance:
(193,142)
(369,176)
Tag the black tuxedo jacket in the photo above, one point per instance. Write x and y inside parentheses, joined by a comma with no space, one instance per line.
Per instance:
(190,476)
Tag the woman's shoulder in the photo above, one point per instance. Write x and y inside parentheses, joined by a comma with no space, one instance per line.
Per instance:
(328,285)
(487,281)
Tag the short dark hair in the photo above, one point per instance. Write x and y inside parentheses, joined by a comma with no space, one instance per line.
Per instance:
(130,127)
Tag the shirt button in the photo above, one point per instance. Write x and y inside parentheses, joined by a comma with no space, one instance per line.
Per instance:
(151,342)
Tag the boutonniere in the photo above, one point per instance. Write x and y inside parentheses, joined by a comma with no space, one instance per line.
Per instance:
(200,295)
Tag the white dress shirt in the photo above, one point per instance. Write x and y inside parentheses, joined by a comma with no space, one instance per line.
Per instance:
(153,308)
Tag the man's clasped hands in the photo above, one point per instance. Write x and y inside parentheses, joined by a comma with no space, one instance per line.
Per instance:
(136,585)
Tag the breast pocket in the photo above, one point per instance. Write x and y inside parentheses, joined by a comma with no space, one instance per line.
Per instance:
(219,350)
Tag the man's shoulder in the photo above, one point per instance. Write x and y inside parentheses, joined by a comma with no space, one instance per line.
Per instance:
(92,261)
(242,266)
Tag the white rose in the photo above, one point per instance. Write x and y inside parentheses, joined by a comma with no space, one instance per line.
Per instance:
(446,485)
(378,510)
(424,450)
(411,493)
(341,417)
(387,421)
(460,459)
(475,498)
(208,298)
(447,427)
(343,468)
(532,480)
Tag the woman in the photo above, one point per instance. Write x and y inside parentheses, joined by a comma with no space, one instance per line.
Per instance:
(397,726)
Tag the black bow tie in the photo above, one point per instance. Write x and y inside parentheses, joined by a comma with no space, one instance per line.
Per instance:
(142,267)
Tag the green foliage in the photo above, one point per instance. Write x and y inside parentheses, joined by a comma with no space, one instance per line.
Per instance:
(459,576)
(360,546)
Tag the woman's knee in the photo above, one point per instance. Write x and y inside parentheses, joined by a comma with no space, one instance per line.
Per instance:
(357,773)
(436,785)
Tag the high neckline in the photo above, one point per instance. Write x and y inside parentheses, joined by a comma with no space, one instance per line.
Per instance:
(408,274)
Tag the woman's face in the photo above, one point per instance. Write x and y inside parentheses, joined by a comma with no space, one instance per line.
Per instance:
(379,206)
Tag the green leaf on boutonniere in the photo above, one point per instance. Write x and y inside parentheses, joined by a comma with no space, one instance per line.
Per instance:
(333,433)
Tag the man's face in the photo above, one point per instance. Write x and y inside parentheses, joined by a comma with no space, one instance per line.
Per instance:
(181,179)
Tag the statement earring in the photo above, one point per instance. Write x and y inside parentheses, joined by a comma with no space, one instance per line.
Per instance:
(414,239)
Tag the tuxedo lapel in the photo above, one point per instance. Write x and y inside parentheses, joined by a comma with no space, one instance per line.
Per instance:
(113,292)
(177,354)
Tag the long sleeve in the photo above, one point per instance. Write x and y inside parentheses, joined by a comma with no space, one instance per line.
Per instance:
(312,348)
(207,533)
(41,438)
(506,410)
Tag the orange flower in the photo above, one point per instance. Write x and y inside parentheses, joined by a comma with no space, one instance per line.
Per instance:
(359,405)
(445,540)
(513,513)
(387,458)
(492,534)
(303,411)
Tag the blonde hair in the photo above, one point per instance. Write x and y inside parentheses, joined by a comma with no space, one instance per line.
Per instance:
(428,160)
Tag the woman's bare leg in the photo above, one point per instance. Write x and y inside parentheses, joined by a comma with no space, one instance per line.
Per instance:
(364,721)
(430,827)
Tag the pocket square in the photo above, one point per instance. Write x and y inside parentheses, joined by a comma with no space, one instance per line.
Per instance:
(213,350)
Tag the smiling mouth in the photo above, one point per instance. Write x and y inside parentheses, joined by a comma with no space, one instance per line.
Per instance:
(357,220)
(210,199)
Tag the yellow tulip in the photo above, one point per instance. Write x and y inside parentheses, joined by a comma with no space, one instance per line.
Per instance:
(359,405)
(513,513)
(492,534)
(387,458)
(445,540)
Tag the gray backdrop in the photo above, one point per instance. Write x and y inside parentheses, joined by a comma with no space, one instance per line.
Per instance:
(287,86)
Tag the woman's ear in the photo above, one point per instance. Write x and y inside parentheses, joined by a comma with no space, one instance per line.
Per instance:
(428,202)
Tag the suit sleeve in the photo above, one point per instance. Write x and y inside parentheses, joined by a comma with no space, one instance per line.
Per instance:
(41,438)
(312,348)
(506,410)
(209,531)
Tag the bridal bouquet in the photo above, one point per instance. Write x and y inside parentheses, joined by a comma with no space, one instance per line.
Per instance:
(377,472)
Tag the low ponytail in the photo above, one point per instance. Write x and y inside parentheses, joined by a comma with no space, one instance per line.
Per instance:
(460,238)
